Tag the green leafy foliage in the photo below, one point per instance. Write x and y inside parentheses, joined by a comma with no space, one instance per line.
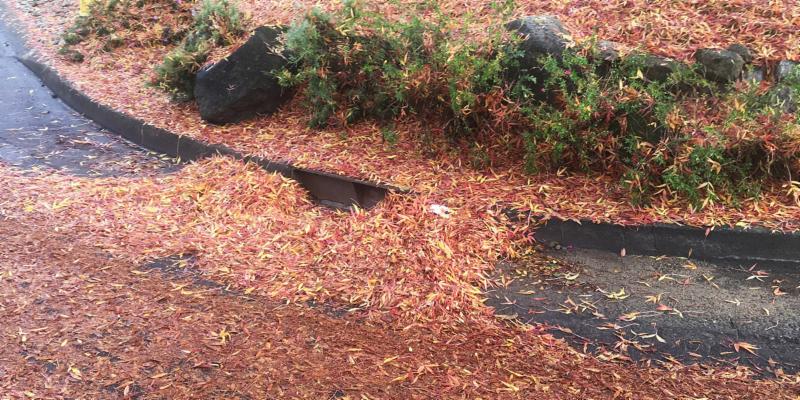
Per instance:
(622,124)
(355,64)
(586,116)
(216,23)
(96,23)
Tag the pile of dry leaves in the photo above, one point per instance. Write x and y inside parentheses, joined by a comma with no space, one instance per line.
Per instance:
(408,267)
(401,270)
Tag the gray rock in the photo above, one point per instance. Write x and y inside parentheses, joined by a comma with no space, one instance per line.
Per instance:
(786,98)
(607,51)
(606,55)
(658,69)
(755,75)
(243,85)
(743,51)
(784,69)
(723,66)
(542,36)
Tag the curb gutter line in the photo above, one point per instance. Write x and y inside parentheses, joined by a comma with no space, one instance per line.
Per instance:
(720,244)
(727,244)
(328,189)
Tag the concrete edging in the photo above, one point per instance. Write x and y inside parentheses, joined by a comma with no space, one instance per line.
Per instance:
(734,244)
(719,244)
(329,189)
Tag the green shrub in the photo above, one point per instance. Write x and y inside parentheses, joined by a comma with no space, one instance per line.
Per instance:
(354,64)
(71,54)
(622,124)
(217,23)
(389,136)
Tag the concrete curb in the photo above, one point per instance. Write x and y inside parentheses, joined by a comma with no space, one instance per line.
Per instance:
(720,244)
(329,189)
(752,245)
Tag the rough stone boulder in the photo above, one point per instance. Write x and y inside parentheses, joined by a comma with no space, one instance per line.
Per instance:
(753,74)
(657,68)
(541,36)
(606,54)
(608,51)
(743,51)
(243,85)
(784,69)
(723,66)
(786,93)
(785,98)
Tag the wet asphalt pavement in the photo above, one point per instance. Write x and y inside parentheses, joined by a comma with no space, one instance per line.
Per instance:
(658,309)
(39,131)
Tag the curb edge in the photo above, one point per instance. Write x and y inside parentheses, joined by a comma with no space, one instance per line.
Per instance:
(329,189)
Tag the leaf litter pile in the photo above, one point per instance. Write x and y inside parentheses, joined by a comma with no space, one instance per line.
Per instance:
(666,27)
(408,276)
(410,271)
(120,79)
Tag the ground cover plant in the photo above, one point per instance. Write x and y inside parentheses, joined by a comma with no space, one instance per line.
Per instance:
(196,28)
(593,118)
(216,23)
(116,23)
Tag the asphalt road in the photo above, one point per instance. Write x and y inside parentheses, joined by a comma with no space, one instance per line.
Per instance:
(659,308)
(39,131)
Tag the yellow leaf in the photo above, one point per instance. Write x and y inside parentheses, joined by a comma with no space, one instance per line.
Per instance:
(445,248)
(60,204)
(629,316)
(620,295)
(390,359)
(571,276)
(745,346)
(511,386)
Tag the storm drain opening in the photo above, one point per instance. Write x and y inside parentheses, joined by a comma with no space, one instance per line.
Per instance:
(327,189)
(340,192)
